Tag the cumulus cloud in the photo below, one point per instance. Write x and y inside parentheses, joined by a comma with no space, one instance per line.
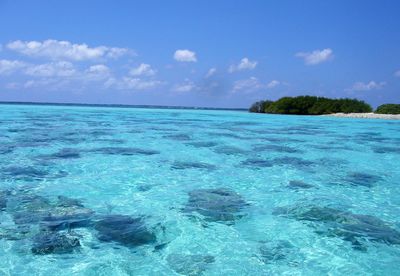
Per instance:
(253,84)
(136,80)
(58,75)
(273,83)
(185,56)
(129,83)
(361,86)
(50,84)
(10,66)
(53,76)
(59,69)
(36,83)
(115,52)
(316,57)
(139,84)
(56,50)
(244,64)
(397,74)
(98,71)
(247,85)
(142,70)
(186,86)
(211,72)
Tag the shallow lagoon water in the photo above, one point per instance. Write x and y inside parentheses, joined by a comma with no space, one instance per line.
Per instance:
(134,191)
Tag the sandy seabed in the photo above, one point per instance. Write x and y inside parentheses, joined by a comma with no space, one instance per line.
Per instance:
(366,115)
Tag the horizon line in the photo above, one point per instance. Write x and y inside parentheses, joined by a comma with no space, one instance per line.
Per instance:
(122,105)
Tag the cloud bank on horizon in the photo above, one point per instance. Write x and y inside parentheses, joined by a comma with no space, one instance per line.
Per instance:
(55,49)
(192,72)
(63,61)
(62,69)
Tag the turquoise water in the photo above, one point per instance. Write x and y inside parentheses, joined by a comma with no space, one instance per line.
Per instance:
(126,191)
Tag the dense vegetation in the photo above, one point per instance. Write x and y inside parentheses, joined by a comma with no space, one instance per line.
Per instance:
(310,105)
(260,107)
(388,109)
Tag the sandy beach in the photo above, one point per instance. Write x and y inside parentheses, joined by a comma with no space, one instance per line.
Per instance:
(366,116)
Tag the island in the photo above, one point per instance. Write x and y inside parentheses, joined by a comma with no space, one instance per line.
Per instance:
(312,105)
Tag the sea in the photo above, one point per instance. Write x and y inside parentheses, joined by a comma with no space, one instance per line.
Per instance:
(106,190)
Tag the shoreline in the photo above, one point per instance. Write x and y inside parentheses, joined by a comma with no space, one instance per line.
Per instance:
(365,116)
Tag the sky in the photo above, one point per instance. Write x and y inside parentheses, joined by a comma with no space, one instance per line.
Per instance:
(198,53)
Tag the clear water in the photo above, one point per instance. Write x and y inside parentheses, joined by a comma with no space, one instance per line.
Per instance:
(146,162)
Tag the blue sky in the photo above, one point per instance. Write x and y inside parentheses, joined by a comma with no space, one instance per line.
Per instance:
(198,53)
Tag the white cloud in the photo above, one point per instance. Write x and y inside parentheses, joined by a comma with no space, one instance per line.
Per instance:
(244,64)
(397,74)
(273,83)
(253,84)
(59,69)
(10,66)
(98,71)
(316,57)
(53,84)
(247,85)
(56,49)
(139,84)
(186,86)
(115,52)
(142,70)
(49,84)
(361,86)
(129,83)
(54,75)
(211,72)
(185,56)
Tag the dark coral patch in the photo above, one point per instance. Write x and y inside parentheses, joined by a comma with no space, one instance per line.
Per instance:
(386,149)
(189,264)
(183,165)
(362,179)
(66,153)
(276,148)
(3,199)
(124,151)
(30,209)
(293,162)
(63,217)
(279,251)
(29,173)
(227,134)
(23,173)
(257,163)
(178,137)
(230,150)
(5,149)
(125,230)
(63,201)
(219,205)
(296,184)
(354,228)
(205,144)
(54,243)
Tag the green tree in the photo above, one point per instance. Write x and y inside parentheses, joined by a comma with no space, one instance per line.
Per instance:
(310,105)
(388,109)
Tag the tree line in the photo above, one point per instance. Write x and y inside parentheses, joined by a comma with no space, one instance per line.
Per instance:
(312,105)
